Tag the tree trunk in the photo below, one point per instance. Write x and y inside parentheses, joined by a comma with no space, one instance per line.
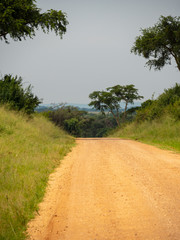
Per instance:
(116,118)
(124,114)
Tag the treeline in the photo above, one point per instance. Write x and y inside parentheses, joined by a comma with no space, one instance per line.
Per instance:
(80,123)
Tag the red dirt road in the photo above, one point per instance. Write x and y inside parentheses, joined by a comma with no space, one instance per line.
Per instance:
(112,189)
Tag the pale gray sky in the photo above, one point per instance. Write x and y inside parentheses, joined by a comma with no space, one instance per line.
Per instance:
(94,53)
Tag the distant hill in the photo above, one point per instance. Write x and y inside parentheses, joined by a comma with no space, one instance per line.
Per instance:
(45,107)
(85,107)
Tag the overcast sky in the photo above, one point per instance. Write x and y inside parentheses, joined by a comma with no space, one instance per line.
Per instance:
(94,53)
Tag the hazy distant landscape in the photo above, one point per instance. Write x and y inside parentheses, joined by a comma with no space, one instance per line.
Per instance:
(84,107)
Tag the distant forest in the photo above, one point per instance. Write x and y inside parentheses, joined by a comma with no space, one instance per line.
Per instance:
(81,123)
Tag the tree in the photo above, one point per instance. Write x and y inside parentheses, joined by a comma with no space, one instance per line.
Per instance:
(18,98)
(160,43)
(20,19)
(126,93)
(110,100)
(103,101)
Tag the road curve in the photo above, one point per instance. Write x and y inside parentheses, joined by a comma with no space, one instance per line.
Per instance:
(112,189)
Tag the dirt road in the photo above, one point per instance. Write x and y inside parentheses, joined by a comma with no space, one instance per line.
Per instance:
(111,189)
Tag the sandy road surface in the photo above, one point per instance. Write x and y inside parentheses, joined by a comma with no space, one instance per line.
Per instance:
(112,190)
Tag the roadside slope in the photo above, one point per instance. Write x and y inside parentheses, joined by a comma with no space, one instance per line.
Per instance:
(112,189)
(30,148)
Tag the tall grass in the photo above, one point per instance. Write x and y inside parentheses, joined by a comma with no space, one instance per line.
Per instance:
(163,132)
(29,151)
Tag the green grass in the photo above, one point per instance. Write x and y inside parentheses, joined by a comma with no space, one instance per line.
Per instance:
(29,151)
(164,132)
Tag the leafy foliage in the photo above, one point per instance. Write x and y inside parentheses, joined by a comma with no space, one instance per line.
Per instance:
(72,126)
(110,100)
(160,43)
(103,101)
(81,123)
(127,94)
(20,19)
(13,94)
(64,113)
(167,102)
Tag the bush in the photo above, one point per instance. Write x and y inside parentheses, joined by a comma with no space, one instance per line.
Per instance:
(174,110)
(17,98)
(167,102)
(72,126)
(149,112)
(58,116)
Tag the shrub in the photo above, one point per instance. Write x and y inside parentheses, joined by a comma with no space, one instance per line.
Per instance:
(169,101)
(18,98)
(170,96)
(71,126)
(58,116)
(174,109)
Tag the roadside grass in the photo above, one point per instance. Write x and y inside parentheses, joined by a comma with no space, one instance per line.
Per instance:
(29,151)
(164,132)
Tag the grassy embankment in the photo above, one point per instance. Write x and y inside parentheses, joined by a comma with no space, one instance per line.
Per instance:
(29,151)
(163,132)
(157,121)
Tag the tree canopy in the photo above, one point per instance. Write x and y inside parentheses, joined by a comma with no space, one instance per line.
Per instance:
(104,100)
(21,18)
(127,94)
(110,100)
(160,43)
